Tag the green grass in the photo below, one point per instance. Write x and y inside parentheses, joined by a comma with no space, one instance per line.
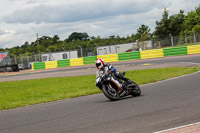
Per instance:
(21,93)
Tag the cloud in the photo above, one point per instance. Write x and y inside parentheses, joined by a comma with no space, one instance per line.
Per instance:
(81,10)
(6,36)
(186,5)
(2,32)
(122,25)
(21,20)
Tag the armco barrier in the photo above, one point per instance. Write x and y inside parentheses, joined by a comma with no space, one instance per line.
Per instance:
(193,49)
(39,65)
(51,64)
(175,51)
(109,58)
(63,63)
(89,60)
(151,54)
(129,56)
(76,62)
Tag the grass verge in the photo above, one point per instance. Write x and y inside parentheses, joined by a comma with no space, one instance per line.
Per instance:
(21,93)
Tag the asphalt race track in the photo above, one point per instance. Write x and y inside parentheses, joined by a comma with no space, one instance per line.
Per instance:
(186,61)
(163,105)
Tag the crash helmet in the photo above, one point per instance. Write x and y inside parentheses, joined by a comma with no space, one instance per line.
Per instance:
(100,63)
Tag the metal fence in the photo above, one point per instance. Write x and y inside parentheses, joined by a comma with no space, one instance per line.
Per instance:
(171,41)
(177,40)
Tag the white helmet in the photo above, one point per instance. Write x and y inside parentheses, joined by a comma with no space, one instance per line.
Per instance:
(100,63)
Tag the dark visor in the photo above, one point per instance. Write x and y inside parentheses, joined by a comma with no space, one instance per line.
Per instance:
(98,64)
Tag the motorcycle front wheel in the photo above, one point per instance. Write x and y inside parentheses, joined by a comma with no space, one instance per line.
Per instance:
(136,91)
(112,95)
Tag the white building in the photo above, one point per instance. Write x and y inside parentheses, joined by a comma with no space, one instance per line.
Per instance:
(51,56)
(120,48)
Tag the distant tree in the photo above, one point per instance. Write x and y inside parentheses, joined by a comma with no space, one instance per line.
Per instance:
(198,14)
(176,22)
(192,20)
(162,26)
(196,29)
(77,36)
(56,38)
(169,24)
(189,23)
(143,32)
(26,44)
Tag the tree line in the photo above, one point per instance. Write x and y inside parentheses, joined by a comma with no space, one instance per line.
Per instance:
(175,25)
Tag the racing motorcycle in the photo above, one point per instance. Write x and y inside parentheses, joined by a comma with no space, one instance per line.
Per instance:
(112,90)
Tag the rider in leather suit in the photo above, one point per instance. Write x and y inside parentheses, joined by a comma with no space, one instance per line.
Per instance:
(102,67)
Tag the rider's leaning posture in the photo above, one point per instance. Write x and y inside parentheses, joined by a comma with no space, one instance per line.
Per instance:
(107,68)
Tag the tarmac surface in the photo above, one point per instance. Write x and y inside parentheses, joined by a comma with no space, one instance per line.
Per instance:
(163,105)
(184,61)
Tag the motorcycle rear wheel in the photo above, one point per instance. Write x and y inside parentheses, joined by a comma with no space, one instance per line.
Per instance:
(112,96)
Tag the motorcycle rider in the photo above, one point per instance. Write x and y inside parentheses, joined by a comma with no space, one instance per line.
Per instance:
(107,68)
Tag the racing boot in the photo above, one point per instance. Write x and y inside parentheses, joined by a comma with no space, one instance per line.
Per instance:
(121,76)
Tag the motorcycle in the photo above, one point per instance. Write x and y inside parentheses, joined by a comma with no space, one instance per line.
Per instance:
(114,91)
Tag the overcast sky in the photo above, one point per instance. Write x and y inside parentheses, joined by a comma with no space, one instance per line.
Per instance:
(21,20)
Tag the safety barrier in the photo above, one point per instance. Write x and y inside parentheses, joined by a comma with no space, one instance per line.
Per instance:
(109,58)
(175,51)
(89,60)
(151,54)
(193,49)
(129,56)
(76,62)
(38,66)
(157,53)
(51,64)
(63,63)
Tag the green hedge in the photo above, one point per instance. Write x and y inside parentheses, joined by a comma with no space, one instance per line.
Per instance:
(89,60)
(63,63)
(175,51)
(129,56)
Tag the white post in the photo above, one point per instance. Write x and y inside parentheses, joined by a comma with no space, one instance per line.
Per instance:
(172,40)
(81,51)
(49,54)
(195,41)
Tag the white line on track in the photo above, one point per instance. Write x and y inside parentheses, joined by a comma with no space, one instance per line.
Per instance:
(178,127)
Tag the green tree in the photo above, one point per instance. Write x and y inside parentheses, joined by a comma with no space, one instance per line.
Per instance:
(55,38)
(162,26)
(77,36)
(189,23)
(192,20)
(169,24)
(196,29)
(176,22)
(143,32)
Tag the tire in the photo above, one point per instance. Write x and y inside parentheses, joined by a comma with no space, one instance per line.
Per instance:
(136,91)
(109,95)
